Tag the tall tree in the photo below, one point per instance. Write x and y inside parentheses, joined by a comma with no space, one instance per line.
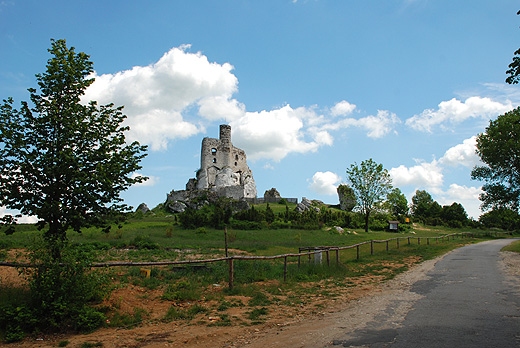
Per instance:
(371,184)
(61,160)
(397,204)
(499,149)
(422,203)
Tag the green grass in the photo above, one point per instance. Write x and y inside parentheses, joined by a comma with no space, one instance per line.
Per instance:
(515,247)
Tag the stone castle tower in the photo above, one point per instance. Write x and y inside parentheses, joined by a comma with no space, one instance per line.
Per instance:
(223,168)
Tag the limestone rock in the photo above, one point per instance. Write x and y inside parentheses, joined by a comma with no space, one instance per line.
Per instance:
(306,204)
(143,208)
(272,196)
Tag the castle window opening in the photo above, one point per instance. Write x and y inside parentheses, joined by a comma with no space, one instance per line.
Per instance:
(236,158)
(235,164)
(214,160)
(213,151)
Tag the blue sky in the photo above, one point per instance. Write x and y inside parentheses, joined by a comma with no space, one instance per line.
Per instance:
(308,86)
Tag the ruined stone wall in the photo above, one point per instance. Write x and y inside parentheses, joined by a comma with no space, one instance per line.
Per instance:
(222,165)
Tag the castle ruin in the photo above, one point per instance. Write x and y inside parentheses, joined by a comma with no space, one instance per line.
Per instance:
(223,173)
(223,168)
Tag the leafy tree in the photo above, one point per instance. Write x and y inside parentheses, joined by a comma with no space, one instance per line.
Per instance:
(499,149)
(422,203)
(501,218)
(397,204)
(371,184)
(347,197)
(514,67)
(61,160)
(454,215)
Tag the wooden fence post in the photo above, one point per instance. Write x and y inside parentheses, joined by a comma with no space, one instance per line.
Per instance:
(418,240)
(427,241)
(387,245)
(328,257)
(408,240)
(337,257)
(231,273)
(285,269)
(397,242)
(357,252)
(371,247)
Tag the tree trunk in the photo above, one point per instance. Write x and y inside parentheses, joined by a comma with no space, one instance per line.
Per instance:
(367,214)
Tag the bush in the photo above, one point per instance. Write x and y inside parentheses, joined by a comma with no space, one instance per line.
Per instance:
(62,289)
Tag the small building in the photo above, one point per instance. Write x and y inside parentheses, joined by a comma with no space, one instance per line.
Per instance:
(393,226)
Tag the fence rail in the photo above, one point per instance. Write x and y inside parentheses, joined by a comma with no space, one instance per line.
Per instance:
(304,251)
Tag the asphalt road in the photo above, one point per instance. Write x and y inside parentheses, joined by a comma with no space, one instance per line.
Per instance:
(466,301)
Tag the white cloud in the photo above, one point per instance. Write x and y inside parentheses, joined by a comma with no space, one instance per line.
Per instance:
(274,134)
(423,174)
(159,97)
(342,108)
(462,154)
(325,183)
(454,111)
(376,126)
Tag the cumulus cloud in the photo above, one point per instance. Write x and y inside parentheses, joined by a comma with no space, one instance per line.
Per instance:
(462,154)
(276,133)
(325,183)
(158,98)
(423,174)
(177,96)
(376,126)
(455,111)
(342,108)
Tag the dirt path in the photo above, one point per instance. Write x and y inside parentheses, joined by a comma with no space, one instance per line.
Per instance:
(300,328)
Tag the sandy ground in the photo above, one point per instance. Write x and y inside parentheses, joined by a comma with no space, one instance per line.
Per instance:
(316,324)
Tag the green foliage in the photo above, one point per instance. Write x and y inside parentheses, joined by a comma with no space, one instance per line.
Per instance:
(61,160)
(182,291)
(60,294)
(176,313)
(499,150)
(128,320)
(371,184)
(397,204)
(503,218)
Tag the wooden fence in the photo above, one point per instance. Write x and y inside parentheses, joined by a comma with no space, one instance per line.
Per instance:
(304,251)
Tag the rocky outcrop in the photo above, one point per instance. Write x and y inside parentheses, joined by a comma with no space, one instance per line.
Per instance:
(179,201)
(272,196)
(307,204)
(143,208)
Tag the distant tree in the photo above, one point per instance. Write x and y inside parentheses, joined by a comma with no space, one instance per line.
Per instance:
(371,184)
(514,67)
(454,215)
(61,160)
(499,149)
(347,197)
(397,204)
(269,214)
(422,203)
(503,218)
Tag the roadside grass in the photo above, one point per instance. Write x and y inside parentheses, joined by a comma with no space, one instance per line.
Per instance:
(514,247)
